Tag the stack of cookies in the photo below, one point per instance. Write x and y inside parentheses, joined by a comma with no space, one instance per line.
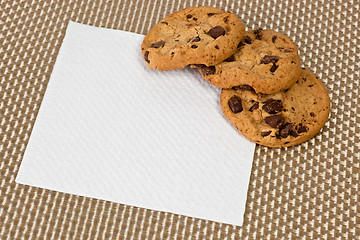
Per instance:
(265,93)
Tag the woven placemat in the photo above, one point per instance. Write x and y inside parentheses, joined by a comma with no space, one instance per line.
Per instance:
(308,191)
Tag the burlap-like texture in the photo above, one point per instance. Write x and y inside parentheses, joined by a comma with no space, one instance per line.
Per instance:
(310,191)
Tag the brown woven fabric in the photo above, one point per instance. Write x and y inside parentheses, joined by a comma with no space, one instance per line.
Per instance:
(308,191)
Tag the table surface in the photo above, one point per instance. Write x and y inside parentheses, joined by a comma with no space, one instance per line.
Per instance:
(307,191)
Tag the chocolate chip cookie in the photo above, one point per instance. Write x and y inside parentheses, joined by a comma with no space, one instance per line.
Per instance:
(281,119)
(196,35)
(266,60)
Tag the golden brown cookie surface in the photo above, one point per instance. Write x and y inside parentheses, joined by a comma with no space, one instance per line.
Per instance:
(197,35)
(266,60)
(282,119)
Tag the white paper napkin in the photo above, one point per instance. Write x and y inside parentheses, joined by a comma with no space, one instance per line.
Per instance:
(113,129)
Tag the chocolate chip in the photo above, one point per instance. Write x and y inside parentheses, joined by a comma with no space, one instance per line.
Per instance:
(194,46)
(266,133)
(244,87)
(235,104)
(275,121)
(241,43)
(273,38)
(165,23)
(217,47)
(286,130)
(315,102)
(196,39)
(273,68)
(302,128)
(287,51)
(311,85)
(230,59)
(247,40)
(207,70)
(210,14)
(269,59)
(146,56)
(226,19)
(258,34)
(158,44)
(216,32)
(253,107)
(294,134)
(312,114)
(272,106)
(195,19)
(188,16)
(277,135)
(257,31)
(292,108)
(286,142)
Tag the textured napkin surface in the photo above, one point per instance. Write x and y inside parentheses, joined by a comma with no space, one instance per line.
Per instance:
(309,191)
(111,128)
